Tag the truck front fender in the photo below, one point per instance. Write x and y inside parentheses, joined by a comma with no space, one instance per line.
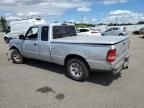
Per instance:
(13,47)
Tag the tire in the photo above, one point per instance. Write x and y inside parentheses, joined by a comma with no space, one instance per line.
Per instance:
(77,69)
(6,40)
(17,57)
(136,33)
(103,34)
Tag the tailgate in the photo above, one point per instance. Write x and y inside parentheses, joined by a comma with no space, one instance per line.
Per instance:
(122,48)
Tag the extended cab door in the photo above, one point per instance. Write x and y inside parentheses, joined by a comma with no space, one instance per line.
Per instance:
(44,44)
(30,44)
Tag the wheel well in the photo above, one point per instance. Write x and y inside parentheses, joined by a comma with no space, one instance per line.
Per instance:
(120,34)
(75,56)
(13,47)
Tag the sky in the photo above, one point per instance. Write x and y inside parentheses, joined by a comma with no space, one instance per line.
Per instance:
(78,11)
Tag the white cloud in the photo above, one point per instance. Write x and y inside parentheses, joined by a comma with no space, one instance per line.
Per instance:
(123,16)
(8,14)
(109,2)
(84,9)
(7,2)
(42,7)
(20,14)
(120,12)
(34,13)
(93,19)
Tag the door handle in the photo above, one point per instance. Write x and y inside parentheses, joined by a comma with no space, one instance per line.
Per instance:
(35,44)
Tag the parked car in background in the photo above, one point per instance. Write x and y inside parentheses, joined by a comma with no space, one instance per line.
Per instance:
(59,43)
(88,31)
(139,32)
(18,27)
(116,31)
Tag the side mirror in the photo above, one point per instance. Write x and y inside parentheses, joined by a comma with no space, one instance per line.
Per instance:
(22,37)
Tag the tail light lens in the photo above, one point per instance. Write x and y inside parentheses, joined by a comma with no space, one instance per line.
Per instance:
(93,32)
(111,55)
(124,29)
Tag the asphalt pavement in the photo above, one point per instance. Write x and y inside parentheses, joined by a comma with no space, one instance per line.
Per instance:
(37,84)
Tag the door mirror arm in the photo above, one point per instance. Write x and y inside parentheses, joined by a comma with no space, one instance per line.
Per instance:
(22,37)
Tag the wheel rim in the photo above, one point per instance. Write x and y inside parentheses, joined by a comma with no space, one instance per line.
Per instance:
(76,70)
(17,57)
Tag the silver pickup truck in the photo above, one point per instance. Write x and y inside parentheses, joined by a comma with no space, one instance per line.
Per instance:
(60,44)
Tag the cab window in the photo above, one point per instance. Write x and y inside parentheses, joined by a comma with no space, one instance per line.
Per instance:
(32,33)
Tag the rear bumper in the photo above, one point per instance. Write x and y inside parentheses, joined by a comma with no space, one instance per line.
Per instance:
(123,63)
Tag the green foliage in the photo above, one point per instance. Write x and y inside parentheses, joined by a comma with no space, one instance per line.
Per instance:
(4,24)
(80,25)
(140,22)
(123,24)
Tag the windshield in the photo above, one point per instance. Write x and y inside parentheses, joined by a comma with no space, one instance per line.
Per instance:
(63,31)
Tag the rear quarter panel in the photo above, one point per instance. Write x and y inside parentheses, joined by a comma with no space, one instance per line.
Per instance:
(91,53)
(122,50)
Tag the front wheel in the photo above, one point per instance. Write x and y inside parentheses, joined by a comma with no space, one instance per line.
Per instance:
(77,69)
(6,40)
(17,57)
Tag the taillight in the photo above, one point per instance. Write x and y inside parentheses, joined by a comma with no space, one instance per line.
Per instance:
(93,32)
(124,29)
(111,55)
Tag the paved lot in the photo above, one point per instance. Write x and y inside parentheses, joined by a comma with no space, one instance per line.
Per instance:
(43,85)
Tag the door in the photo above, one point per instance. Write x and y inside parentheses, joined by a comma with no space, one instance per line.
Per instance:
(44,45)
(108,32)
(116,31)
(30,44)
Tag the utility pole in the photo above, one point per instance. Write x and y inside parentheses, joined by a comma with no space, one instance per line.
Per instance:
(116,20)
(82,18)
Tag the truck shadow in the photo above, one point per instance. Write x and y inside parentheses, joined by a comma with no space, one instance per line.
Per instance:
(46,66)
(101,78)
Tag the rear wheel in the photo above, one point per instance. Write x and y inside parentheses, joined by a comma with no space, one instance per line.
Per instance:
(77,69)
(17,57)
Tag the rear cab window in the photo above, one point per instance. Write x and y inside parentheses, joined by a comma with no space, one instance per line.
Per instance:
(44,33)
(63,31)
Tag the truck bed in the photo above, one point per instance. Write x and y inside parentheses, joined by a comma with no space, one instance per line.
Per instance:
(109,40)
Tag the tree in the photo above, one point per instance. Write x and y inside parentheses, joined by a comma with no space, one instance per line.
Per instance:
(83,25)
(140,22)
(4,24)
